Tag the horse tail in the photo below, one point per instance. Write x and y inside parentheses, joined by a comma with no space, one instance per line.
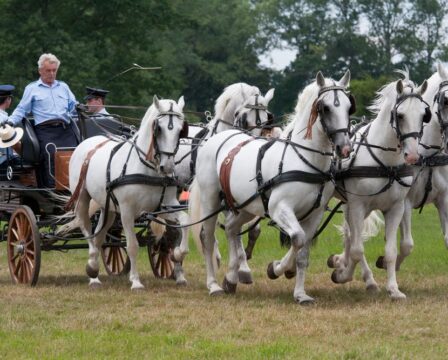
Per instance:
(194,205)
(371,226)
(157,230)
(74,224)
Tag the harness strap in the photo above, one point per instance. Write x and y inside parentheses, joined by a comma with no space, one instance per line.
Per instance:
(82,176)
(224,174)
(428,189)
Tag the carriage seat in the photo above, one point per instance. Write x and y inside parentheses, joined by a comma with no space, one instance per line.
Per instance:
(30,144)
(104,124)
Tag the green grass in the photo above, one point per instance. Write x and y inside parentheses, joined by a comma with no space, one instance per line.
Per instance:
(62,318)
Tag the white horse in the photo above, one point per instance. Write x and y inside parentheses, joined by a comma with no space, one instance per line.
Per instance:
(129,177)
(431,179)
(377,177)
(239,106)
(293,178)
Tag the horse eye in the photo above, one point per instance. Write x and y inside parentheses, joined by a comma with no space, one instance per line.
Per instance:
(326,108)
(400,117)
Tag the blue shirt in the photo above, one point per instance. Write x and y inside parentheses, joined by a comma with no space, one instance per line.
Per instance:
(45,102)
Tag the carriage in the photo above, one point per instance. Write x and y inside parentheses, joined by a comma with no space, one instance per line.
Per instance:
(29,214)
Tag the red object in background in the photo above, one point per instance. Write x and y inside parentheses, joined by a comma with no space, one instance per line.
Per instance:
(184,195)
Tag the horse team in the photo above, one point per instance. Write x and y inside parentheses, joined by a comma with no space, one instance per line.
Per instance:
(385,164)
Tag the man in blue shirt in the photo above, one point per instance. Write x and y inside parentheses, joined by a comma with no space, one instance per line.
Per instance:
(50,102)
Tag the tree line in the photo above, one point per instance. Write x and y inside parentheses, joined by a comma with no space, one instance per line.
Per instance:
(205,45)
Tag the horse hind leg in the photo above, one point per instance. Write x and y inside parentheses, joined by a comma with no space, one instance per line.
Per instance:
(92,267)
(253,235)
(238,268)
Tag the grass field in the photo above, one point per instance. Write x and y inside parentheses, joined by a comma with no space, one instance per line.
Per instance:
(62,318)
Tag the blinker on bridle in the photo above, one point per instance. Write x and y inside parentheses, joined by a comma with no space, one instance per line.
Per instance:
(394,116)
(440,99)
(257,107)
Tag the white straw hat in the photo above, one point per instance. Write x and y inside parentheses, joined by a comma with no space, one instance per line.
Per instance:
(9,135)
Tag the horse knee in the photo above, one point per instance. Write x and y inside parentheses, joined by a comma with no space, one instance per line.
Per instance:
(406,249)
(297,239)
(356,253)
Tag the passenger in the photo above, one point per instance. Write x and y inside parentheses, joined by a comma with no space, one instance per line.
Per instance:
(95,100)
(51,102)
(102,122)
(9,137)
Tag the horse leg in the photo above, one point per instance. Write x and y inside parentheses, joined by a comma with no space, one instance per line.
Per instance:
(286,219)
(238,267)
(128,221)
(406,240)
(253,235)
(392,220)
(353,244)
(180,250)
(442,207)
(97,243)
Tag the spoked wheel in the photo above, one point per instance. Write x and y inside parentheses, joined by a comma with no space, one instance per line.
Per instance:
(160,257)
(23,247)
(115,257)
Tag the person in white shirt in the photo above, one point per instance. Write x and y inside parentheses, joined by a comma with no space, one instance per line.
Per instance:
(95,100)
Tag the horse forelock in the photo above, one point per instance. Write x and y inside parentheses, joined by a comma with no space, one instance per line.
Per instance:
(232,97)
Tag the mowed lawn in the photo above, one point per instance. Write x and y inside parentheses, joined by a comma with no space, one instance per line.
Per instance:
(62,318)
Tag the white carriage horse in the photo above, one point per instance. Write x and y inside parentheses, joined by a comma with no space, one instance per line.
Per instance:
(431,172)
(129,177)
(291,182)
(378,177)
(240,106)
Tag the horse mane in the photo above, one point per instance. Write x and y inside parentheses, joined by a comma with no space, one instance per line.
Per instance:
(305,110)
(388,93)
(233,96)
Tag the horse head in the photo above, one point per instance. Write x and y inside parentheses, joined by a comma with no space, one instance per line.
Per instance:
(168,126)
(253,114)
(440,104)
(408,113)
(332,107)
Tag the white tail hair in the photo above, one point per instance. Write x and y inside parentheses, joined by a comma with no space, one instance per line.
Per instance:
(371,227)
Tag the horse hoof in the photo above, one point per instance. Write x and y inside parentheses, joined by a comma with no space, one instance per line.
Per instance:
(228,287)
(181,282)
(270,272)
(289,274)
(137,286)
(372,289)
(216,293)
(334,277)
(380,263)
(245,277)
(91,272)
(95,283)
(305,301)
(397,295)
(331,262)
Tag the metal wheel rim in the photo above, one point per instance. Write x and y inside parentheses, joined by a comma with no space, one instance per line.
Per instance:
(23,247)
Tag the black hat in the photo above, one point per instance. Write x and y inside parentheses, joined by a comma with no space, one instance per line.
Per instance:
(6,90)
(94,93)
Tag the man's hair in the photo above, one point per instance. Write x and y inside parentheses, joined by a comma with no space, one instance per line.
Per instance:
(48,57)
(3,99)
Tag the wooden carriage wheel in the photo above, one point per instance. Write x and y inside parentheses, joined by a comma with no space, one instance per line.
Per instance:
(115,257)
(160,258)
(23,246)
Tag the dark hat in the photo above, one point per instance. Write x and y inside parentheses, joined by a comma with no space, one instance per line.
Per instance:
(93,93)
(6,90)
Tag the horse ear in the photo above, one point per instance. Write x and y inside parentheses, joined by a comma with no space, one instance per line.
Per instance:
(181,103)
(156,102)
(269,95)
(399,87)
(320,80)
(442,71)
(422,88)
(345,80)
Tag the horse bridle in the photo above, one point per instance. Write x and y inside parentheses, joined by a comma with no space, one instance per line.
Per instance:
(242,121)
(183,133)
(321,110)
(441,103)
(394,117)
